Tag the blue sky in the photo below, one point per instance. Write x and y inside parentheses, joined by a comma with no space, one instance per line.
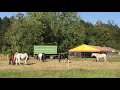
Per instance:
(86,16)
(8,14)
(102,16)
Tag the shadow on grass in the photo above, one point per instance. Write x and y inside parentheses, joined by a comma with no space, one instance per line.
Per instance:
(25,64)
(45,61)
(30,63)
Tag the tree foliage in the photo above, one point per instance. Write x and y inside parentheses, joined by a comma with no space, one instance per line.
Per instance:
(64,29)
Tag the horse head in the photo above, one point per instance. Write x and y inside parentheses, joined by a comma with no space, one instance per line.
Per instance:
(93,54)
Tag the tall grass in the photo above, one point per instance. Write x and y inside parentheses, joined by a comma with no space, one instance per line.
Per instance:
(78,73)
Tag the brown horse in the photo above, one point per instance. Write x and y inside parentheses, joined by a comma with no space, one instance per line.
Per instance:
(11,59)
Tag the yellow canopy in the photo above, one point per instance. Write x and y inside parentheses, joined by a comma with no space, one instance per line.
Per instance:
(84,48)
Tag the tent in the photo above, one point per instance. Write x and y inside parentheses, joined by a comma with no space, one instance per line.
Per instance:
(84,48)
(83,51)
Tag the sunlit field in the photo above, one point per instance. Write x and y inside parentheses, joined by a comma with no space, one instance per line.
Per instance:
(51,68)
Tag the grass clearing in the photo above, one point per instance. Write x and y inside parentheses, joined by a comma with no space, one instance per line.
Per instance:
(78,68)
(78,73)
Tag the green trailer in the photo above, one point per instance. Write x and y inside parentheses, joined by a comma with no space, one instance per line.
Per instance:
(47,49)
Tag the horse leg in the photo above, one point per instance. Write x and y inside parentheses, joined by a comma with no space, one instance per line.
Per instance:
(9,61)
(68,60)
(25,60)
(97,60)
(63,60)
(40,59)
(59,60)
(105,59)
(16,61)
(12,61)
(19,61)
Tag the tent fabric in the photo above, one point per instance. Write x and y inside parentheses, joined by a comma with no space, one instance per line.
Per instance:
(105,49)
(84,48)
(92,48)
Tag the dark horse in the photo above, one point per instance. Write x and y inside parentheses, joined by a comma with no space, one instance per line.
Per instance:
(63,56)
(11,59)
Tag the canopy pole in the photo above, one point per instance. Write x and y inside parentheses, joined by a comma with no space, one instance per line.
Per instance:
(84,54)
(80,55)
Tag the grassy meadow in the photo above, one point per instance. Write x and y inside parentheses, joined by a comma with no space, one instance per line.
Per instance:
(51,68)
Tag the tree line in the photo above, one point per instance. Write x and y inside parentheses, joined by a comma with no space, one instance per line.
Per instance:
(64,29)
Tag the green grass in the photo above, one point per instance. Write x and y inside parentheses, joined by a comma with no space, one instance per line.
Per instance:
(76,73)
(82,71)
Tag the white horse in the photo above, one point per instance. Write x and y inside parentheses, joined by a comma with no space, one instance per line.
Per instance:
(20,56)
(99,56)
(41,57)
